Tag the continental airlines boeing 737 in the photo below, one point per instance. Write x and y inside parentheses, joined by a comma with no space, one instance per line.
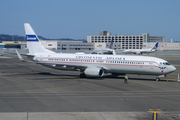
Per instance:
(92,65)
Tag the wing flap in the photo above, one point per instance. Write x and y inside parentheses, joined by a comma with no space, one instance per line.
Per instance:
(63,66)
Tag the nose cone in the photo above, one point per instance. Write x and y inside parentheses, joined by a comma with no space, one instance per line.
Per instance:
(172,69)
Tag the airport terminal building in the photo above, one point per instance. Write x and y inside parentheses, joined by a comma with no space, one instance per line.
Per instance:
(103,40)
(125,41)
(67,45)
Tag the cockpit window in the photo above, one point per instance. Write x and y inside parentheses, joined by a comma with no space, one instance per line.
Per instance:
(166,63)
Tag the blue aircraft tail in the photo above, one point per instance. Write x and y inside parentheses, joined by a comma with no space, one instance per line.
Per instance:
(155,47)
(110,47)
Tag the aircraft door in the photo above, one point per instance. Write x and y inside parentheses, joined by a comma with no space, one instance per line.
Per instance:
(151,68)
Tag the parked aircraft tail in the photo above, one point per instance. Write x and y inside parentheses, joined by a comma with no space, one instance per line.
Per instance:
(33,43)
(110,47)
(155,47)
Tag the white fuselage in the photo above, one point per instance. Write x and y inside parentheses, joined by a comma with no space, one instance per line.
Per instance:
(93,65)
(139,51)
(111,63)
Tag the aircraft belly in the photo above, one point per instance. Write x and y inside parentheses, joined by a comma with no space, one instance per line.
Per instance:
(127,69)
(133,69)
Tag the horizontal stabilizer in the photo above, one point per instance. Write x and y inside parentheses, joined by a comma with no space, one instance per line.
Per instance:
(19,56)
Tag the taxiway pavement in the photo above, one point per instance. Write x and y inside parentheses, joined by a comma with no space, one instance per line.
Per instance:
(27,87)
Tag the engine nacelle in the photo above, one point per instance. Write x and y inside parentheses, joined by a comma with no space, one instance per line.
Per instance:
(94,72)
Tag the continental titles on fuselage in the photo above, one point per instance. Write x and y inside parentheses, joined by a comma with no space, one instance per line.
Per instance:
(98,57)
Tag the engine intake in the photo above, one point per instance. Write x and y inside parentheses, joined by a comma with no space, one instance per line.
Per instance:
(94,72)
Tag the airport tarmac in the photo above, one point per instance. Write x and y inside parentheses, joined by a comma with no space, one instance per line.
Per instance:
(27,88)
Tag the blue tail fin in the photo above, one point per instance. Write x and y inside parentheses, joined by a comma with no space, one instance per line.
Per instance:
(155,47)
(110,47)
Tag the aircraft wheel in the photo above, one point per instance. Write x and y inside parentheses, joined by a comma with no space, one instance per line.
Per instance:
(82,75)
(157,79)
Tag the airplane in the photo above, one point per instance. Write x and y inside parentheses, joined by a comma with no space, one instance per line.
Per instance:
(108,51)
(93,65)
(141,51)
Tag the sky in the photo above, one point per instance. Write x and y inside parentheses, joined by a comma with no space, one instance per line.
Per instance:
(76,19)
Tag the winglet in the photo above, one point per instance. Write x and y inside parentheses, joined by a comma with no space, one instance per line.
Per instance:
(19,56)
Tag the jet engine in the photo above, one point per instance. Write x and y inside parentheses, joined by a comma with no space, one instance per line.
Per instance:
(94,72)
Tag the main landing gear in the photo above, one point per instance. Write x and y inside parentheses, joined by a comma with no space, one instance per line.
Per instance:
(82,75)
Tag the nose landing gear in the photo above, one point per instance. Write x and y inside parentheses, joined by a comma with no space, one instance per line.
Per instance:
(157,79)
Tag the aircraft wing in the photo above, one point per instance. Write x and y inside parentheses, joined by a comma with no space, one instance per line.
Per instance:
(103,51)
(64,66)
(56,65)
(76,67)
